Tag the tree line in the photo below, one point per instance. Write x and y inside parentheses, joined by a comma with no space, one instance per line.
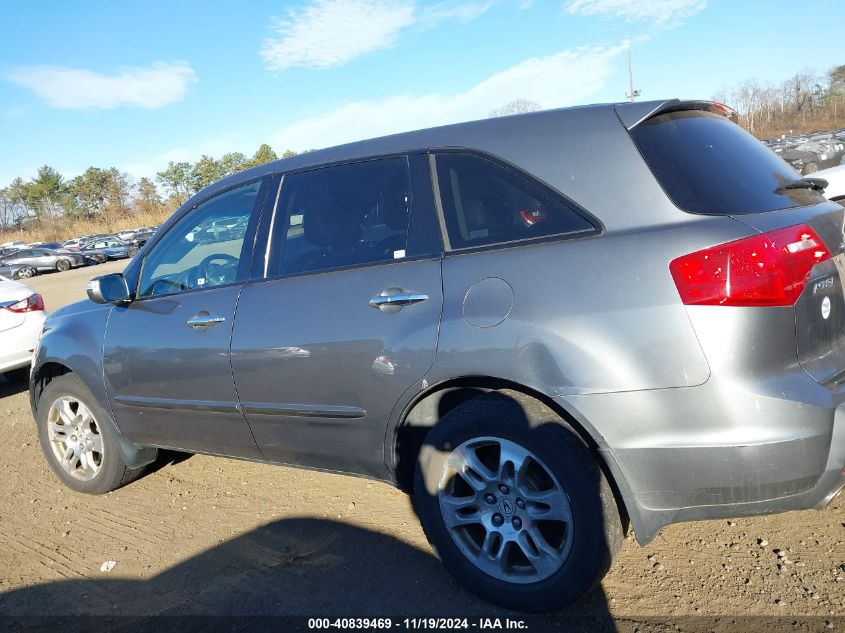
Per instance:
(108,195)
(807,101)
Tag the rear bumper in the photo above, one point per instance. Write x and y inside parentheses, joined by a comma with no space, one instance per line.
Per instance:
(720,450)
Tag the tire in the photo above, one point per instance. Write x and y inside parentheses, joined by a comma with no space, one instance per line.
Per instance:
(25,273)
(132,251)
(810,168)
(101,471)
(16,376)
(62,265)
(585,532)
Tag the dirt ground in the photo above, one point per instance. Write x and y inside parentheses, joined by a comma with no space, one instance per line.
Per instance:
(206,535)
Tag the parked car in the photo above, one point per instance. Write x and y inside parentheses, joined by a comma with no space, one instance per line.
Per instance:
(809,157)
(17,271)
(44,259)
(835,177)
(50,245)
(93,256)
(126,235)
(22,317)
(74,244)
(533,347)
(111,247)
(138,240)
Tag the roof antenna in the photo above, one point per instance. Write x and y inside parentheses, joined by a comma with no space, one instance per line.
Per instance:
(634,93)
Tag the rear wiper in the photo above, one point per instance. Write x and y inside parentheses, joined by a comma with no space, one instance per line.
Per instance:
(816,184)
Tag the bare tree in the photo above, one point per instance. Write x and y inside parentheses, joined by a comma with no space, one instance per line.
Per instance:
(517,106)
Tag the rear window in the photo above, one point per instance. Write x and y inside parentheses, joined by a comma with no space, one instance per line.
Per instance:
(709,165)
(485,203)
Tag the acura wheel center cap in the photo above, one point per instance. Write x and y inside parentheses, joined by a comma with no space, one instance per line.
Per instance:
(507,506)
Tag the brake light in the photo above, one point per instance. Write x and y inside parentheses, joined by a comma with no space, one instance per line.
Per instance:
(33,303)
(770,269)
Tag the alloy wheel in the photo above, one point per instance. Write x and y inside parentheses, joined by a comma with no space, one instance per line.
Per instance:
(75,438)
(505,510)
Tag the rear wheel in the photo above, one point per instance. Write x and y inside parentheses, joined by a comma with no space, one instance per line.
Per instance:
(514,503)
(77,439)
(810,168)
(132,251)
(62,265)
(25,273)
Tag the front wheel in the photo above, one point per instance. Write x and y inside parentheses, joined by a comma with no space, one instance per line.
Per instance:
(77,440)
(62,265)
(514,503)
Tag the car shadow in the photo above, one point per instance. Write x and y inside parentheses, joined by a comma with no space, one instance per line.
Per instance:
(291,567)
(299,567)
(12,387)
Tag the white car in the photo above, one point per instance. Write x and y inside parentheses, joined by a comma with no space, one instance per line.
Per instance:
(22,316)
(835,177)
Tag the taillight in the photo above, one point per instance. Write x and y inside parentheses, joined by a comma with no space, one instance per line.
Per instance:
(32,303)
(770,269)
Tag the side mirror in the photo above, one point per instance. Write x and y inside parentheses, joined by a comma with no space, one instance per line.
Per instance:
(109,289)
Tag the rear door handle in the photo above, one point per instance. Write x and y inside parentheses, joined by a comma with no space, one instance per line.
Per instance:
(394,299)
(204,321)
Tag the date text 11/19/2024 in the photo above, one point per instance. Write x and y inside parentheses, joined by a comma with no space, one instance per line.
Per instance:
(481,624)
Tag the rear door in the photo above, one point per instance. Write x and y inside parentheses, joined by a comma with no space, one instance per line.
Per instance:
(343,317)
(166,354)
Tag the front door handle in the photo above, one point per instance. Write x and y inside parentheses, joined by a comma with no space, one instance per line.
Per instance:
(204,321)
(394,299)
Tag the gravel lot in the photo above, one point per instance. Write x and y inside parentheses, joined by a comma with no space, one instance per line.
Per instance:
(207,535)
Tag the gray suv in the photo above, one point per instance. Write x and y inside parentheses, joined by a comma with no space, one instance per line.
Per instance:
(544,327)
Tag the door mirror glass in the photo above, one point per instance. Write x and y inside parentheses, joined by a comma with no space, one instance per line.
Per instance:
(109,289)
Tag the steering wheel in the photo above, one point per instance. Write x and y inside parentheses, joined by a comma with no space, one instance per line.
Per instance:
(216,269)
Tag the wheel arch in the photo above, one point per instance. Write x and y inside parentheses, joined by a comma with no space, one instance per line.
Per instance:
(424,412)
(43,375)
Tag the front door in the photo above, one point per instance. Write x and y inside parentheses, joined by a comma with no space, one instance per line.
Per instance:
(166,356)
(345,319)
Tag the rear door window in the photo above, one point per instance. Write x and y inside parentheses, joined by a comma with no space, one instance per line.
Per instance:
(709,165)
(486,203)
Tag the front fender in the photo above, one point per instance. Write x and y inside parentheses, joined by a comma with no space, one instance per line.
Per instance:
(72,340)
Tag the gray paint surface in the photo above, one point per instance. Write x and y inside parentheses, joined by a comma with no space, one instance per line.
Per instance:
(697,411)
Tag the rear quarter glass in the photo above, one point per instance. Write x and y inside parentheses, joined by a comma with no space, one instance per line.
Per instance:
(709,165)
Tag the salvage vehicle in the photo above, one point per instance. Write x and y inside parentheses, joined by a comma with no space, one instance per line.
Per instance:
(537,350)
(17,271)
(106,247)
(811,156)
(44,259)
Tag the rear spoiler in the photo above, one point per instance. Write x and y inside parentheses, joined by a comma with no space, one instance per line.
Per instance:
(632,114)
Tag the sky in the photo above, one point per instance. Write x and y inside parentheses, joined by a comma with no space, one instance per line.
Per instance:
(138,84)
